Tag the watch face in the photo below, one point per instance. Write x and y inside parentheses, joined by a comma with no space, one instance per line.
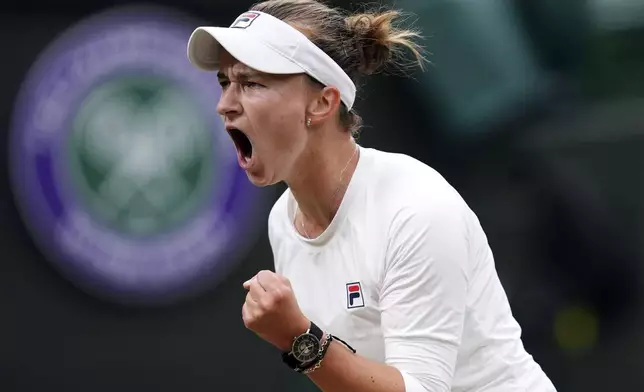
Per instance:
(306,347)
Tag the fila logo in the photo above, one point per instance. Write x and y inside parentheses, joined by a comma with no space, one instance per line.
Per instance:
(244,20)
(354,295)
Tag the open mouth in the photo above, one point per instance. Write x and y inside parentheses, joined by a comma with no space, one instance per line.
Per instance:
(242,143)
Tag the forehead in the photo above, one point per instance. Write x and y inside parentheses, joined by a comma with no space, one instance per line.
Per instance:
(231,68)
(229,65)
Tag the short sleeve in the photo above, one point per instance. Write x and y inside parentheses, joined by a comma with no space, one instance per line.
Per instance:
(424,289)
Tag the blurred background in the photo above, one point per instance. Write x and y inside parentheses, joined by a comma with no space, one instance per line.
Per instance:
(533,110)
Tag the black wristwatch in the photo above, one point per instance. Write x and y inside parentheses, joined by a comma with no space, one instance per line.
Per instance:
(305,349)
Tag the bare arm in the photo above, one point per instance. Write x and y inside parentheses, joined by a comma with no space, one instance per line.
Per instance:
(343,371)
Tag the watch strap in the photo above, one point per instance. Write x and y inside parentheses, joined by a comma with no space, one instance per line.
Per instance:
(315,331)
(315,364)
(290,360)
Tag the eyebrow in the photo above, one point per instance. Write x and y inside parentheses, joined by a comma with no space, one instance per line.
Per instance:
(242,75)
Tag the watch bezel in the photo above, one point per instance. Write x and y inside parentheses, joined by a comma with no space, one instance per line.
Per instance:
(297,354)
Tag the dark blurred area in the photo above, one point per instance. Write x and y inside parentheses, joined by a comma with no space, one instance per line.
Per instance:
(533,110)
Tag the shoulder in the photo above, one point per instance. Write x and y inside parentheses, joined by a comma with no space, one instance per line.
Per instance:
(409,191)
(428,224)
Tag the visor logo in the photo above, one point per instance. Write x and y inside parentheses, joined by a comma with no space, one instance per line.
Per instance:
(245,20)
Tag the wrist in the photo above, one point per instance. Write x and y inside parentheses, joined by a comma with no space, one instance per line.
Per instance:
(327,340)
(309,349)
(298,328)
(317,362)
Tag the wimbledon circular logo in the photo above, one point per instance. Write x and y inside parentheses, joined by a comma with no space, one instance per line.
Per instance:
(120,164)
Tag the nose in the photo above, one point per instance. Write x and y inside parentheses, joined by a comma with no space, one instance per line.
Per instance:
(229,102)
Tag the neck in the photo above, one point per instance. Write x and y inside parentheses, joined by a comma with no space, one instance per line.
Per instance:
(324,172)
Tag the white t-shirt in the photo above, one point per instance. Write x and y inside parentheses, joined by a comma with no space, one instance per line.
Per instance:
(405,275)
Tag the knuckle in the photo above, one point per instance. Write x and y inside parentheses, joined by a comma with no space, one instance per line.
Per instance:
(280,294)
(267,303)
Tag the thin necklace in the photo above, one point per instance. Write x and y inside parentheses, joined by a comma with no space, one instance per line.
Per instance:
(306,234)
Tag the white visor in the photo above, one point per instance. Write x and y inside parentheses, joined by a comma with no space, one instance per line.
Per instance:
(268,45)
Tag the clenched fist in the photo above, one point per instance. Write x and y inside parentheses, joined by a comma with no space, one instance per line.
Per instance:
(271,310)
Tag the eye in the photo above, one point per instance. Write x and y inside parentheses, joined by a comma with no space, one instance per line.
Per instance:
(224,84)
(252,85)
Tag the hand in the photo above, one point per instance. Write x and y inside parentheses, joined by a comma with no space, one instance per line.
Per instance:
(271,310)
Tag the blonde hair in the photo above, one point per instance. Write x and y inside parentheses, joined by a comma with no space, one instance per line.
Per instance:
(362,43)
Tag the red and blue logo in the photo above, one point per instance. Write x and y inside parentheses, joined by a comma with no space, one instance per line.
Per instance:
(355,298)
(244,20)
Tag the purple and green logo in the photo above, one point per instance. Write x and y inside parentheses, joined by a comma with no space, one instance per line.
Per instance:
(120,164)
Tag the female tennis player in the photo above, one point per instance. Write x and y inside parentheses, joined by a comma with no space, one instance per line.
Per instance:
(384,280)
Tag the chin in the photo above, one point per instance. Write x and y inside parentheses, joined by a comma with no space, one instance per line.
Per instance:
(259,180)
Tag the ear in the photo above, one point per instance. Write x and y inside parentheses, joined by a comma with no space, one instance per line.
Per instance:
(324,105)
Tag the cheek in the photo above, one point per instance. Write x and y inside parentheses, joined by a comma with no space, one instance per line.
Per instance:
(280,127)
(286,137)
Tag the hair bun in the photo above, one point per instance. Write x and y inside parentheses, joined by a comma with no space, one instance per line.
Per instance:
(372,40)
(379,41)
